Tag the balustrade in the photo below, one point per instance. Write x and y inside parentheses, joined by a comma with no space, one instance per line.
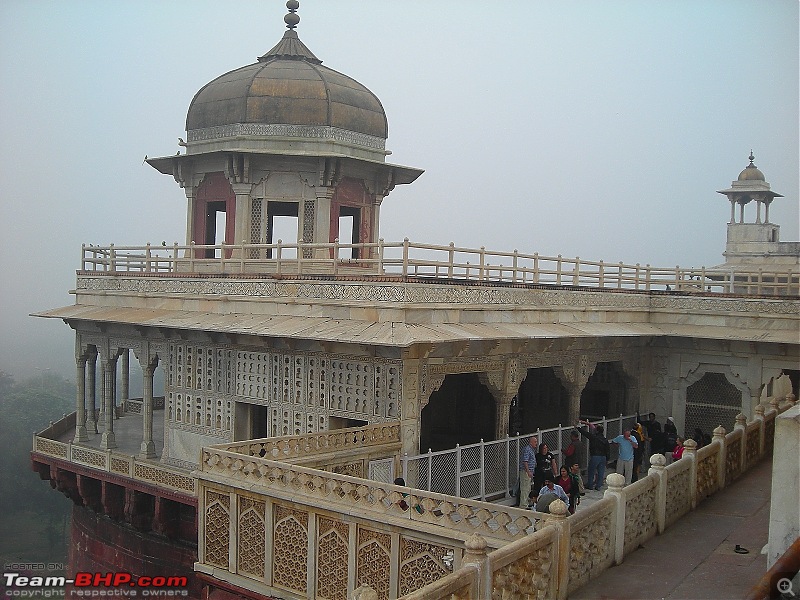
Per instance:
(110,461)
(411,259)
(313,533)
(552,555)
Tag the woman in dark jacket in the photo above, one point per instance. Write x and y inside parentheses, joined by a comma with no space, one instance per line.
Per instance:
(545,465)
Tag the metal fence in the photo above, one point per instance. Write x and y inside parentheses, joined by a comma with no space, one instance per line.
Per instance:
(489,470)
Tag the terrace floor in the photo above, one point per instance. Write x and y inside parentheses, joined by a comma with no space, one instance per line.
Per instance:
(696,558)
(128,433)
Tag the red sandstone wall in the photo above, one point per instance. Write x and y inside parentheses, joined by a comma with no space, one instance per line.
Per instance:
(98,544)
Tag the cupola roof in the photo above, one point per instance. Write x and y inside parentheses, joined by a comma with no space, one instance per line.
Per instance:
(287,87)
(751,172)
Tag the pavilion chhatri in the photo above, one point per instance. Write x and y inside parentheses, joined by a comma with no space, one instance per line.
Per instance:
(300,376)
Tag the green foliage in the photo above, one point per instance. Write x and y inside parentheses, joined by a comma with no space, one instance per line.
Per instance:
(27,407)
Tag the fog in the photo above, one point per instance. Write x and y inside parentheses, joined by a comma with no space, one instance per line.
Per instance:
(591,129)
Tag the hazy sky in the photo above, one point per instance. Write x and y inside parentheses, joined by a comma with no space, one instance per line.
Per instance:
(598,129)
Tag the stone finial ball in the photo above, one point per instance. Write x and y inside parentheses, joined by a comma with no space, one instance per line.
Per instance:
(690,444)
(475,544)
(364,592)
(657,460)
(557,507)
(291,20)
(292,5)
(720,431)
(615,480)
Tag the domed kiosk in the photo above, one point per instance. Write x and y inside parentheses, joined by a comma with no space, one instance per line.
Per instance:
(755,244)
(284,137)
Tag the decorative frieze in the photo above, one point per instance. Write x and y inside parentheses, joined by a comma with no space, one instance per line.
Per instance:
(694,304)
(433,293)
(310,132)
(427,293)
(473,366)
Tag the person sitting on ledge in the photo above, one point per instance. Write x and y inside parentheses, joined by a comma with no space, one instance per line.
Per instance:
(549,492)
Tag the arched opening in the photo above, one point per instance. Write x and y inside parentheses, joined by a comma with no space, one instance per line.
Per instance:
(349,230)
(710,402)
(542,402)
(462,411)
(215,205)
(605,394)
(283,223)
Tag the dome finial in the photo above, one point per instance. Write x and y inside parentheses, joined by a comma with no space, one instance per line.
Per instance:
(751,157)
(292,19)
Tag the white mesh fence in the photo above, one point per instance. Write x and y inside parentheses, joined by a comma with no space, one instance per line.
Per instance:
(489,470)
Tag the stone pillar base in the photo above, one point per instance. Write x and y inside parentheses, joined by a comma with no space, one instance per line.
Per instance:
(147,450)
(108,441)
(80,434)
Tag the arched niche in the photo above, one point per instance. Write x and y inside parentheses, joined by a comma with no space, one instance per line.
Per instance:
(461,411)
(606,392)
(711,401)
(542,402)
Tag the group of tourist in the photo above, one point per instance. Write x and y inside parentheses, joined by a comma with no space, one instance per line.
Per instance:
(539,484)
(541,481)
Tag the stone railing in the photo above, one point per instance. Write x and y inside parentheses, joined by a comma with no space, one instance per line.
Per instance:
(337,528)
(344,493)
(135,406)
(110,461)
(588,542)
(347,451)
(58,428)
(411,259)
(278,528)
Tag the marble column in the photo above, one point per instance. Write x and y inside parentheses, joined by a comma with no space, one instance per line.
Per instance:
(91,385)
(125,373)
(109,376)
(502,415)
(148,448)
(574,411)
(80,401)
(242,220)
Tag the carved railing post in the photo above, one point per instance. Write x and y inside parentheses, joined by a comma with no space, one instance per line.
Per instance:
(657,468)
(741,423)
(690,452)
(719,435)
(558,519)
(616,483)
(759,416)
(476,555)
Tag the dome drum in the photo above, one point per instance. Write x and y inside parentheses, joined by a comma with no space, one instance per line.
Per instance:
(293,140)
